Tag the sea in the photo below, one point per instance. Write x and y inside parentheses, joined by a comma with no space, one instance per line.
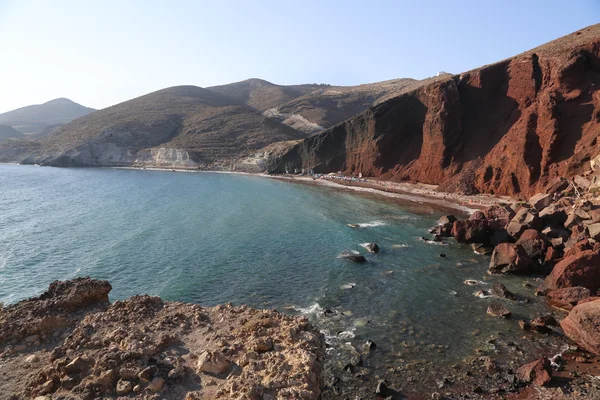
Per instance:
(212,238)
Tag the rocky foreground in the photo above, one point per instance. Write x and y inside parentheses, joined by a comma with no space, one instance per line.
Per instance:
(71,343)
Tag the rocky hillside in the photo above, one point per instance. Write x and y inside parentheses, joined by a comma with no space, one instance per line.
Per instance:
(42,118)
(313,108)
(71,343)
(507,128)
(184,127)
(8,132)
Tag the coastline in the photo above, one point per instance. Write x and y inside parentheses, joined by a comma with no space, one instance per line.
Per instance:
(418,193)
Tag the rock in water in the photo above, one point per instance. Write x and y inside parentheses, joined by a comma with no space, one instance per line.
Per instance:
(371,247)
(355,257)
(509,258)
(499,290)
(482,249)
(538,372)
(381,389)
(497,309)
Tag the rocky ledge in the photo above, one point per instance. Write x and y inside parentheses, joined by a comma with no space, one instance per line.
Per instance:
(71,343)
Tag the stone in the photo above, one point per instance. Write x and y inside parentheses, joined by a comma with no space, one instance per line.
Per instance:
(68,382)
(556,233)
(582,325)
(567,298)
(370,345)
(538,372)
(124,387)
(509,258)
(20,347)
(499,290)
(477,216)
(582,182)
(594,231)
(76,366)
(579,267)
(471,231)
(48,387)
(446,219)
(213,362)
(354,257)
(156,384)
(482,249)
(526,326)
(371,247)
(147,373)
(497,309)
(540,201)
(263,345)
(525,218)
(533,243)
(595,163)
(558,185)
(499,216)
(572,220)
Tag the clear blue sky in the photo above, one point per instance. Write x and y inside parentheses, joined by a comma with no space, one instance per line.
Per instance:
(99,53)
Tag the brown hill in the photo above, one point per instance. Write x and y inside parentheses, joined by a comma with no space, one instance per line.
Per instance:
(507,128)
(184,126)
(41,118)
(8,132)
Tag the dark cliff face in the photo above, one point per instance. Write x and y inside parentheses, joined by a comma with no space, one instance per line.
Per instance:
(507,129)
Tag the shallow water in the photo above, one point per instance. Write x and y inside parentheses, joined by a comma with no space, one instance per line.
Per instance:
(212,238)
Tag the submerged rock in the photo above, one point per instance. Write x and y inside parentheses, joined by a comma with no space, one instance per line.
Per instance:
(497,309)
(353,256)
(499,290)
(371,247)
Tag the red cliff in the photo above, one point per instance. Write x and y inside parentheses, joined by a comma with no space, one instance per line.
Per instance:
(506,129)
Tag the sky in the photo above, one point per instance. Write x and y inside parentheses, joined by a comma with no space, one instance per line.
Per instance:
(99,53)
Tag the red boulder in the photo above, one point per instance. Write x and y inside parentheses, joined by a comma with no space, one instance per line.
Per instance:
(577,268)
(567,298)
(509,258)
(538,372)
(582,325)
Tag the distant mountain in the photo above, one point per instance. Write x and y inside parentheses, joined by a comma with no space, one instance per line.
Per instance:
(183,126)
(312,108)
(8,132)
(38,118)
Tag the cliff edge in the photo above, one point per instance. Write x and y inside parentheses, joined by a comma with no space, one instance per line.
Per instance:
(507,129)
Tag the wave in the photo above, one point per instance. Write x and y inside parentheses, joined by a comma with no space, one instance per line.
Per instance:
(312,309)
(473,282)
(350,285)
(371,224)
(400,246)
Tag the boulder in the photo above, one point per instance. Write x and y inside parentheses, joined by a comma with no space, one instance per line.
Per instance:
(552,254)
(526,218)
(509,258)
(371,247)
(567,298)
(582,326)
(582,214)
(579,233)
(499,290)
(442,230)
(578,268)
(595,163)
(477,216)
(558,185)
(594,231)
(538,372)
(471,231)
(594,216)
(213,362)
(582,182)
(533,243)
(553,215)
(352,256)
(540,201)
(497,309)
(482,249)
(447,219)
(499,216)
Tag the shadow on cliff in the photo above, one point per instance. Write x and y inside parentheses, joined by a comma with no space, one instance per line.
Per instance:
(488,112)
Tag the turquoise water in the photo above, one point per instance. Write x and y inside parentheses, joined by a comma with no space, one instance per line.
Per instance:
(213,238)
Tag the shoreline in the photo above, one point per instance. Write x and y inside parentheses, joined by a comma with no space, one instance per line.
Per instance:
(417,193)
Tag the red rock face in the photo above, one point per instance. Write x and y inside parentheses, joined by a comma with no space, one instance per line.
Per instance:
(577,268)
(508,129)
(582,325)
